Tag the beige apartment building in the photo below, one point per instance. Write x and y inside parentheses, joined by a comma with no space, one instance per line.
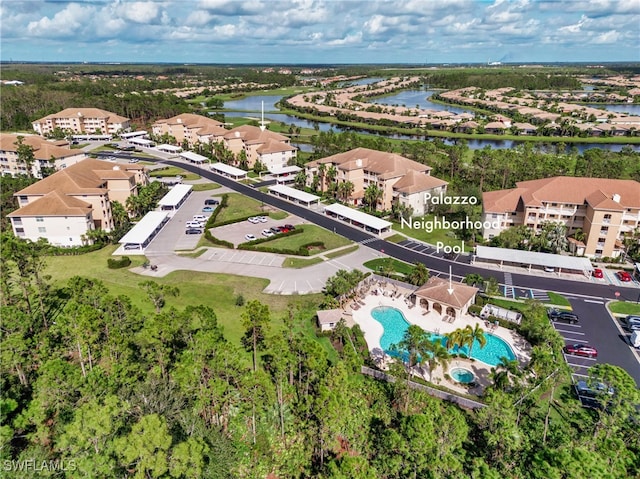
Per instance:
(64,206)
(603,209)
(192,128)
(272,149)
(48,154)
(82,121)
(400,179)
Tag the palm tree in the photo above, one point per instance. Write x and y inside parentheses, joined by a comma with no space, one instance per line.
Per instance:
(505,374)
(322,170)
(554,237)
(476,334)
(371,196)
(345,190)
(331,175)
(301,179)
(419,274)
(436,354)
(414,343)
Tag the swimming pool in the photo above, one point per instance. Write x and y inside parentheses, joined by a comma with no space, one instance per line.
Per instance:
(462,375)
(394,325)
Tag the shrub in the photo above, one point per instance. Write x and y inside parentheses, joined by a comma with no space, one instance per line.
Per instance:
(216,241)
(240,300)
(123,262)
(475,309)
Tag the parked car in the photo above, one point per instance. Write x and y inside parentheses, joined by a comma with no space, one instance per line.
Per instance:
(631,322)
(549,269)
(249,237)
(566,316)
(581,350)
(275,230)
(199,218)
(207,209)
(262,219)
(194,224)
(253,219)
(211,201)
(284,229)
(597,273)
(129,246)
(193,231)
(134,160)
(290,227)
(267,233)
(592,393)
(623,276)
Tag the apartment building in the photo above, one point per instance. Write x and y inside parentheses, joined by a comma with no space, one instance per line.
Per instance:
(603,209)
(192,128)
(47,154)
(272,149)
(399,179)
(64,206)
(82,121)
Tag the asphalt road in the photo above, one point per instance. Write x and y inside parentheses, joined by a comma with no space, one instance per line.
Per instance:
(596,326)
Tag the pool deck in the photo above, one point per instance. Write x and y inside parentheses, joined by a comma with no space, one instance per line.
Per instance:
(434,323)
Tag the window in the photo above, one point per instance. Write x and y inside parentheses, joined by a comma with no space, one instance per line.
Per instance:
(39,219)
(42,229)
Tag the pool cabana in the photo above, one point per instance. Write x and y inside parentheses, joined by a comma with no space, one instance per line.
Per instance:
(434,296)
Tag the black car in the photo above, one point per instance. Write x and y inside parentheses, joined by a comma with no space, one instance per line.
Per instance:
(193,231)
(211,201)
(566,316)
(290,227)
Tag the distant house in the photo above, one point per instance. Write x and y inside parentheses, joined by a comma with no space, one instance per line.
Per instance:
(47,154)
(272,149)
(328,319)
(192,128)
(82,121)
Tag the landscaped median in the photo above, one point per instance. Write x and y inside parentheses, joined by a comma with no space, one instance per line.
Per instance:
(305,240)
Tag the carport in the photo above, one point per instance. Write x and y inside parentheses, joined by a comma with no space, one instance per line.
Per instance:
(176,196)
(358,218)
(285,174)
(169,148)
(192,157)
(144,231)
(229,171)
(532,259)
(293,195)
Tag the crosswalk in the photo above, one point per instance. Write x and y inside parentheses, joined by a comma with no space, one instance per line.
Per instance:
(509,291)
(368,240)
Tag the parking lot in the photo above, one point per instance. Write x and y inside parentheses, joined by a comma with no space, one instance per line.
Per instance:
(236,233)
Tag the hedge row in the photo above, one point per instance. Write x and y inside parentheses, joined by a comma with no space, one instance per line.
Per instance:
(118,263)
(234,220)
(214,240)
(302,251)
(279,235)
(216,212)
(57,251)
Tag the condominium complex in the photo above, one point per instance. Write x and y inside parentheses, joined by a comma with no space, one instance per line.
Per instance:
(271,149)
(603,209)
(192,128)
(399,179)
(82,121)
(47,154)
(66,205)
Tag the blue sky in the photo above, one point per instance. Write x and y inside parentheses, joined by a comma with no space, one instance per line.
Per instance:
(320,31)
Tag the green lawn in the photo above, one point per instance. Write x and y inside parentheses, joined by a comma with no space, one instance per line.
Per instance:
(558,299)
(311,233)
(447,237)
(395,265)
(396,238)
(278,215)
(622,307)
(219,291)
(239,206)
(297,262)
(173,171)
(205,186)
(342,252)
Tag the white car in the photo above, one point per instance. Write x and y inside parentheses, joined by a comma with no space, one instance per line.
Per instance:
(253,219)
(262,219)
(194,224)
(249,237)
(267,233)
(199,218)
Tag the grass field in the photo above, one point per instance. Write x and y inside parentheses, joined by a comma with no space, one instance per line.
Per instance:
(240,206)
(297,262)
(205,186)
(311,233)
(622,307)
(395,265)
(342,252)
(173,171)
(558,299)
(219,291)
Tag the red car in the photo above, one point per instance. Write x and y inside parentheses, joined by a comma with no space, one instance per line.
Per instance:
(581,350)
(623,276)
(597,273)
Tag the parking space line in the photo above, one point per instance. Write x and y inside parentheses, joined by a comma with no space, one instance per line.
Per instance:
(570,332)
(593,301)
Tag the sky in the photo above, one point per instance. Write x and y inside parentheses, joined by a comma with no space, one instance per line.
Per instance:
(320,31)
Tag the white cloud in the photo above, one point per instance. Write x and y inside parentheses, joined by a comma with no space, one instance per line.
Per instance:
(140,12)
(607,37)
(64,23)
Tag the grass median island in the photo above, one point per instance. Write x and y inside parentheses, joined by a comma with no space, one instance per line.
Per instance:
(238,207)
(623,307)
(173,171)
(558,299)
(218,291)
(298,263)
(205,186)
(310,234)
(389,264)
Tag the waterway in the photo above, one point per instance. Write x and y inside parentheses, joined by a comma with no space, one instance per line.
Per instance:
(252,106)
(628,108)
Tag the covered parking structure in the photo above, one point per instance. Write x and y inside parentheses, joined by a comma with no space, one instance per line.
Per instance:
(358,218)
(141,142)
(192,157)
(169,148)
(285,174)
(229,171)
(135,134)
(175,198)
(533,260)
(293,195)
(144,231)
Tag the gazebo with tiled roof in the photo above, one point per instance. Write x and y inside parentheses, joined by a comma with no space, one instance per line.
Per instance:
(444,298)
